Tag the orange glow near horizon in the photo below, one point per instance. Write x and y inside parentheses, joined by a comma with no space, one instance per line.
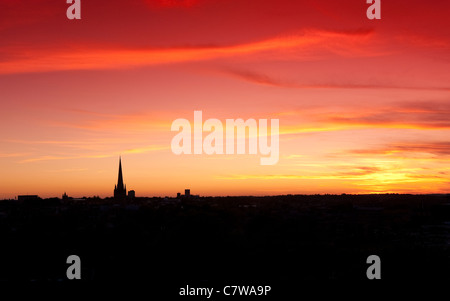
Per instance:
(363,106)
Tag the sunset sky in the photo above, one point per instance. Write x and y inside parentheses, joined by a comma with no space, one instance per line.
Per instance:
(363,105)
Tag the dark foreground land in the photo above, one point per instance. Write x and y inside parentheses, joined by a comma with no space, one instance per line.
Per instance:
(295,238)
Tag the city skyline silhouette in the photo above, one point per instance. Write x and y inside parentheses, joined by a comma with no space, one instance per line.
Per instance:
(120,191)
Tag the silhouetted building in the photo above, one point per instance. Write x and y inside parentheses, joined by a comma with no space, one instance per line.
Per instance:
(120,190)
(28,198)
(187,195)
(131,194)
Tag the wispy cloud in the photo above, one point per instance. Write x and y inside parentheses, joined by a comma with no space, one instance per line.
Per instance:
(12,155)
(384,178)
(138,150)
(261,78)
(432,115)
(433,148)
(96,121)
(87,57)
(67,170)
(146,149)
(412,120)
(360,171)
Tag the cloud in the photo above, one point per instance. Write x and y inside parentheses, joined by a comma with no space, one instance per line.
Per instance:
(138,150)
(265,177)
(146,149)
(413,120)
(93,144)
(326,117)
(12,155)
(359,171)
(262,78)
(88,57)
(96,121)
(323,176)
(366,178)
(434,148)
(67,170)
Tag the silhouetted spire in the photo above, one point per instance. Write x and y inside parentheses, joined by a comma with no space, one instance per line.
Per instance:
(120,190)
(120,179)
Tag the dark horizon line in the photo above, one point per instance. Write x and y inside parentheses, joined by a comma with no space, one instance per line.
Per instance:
(225,196)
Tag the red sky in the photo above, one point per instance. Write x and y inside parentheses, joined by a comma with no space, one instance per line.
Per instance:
(363,104)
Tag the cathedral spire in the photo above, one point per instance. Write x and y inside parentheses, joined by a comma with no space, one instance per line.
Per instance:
(120,179)
(120,191)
